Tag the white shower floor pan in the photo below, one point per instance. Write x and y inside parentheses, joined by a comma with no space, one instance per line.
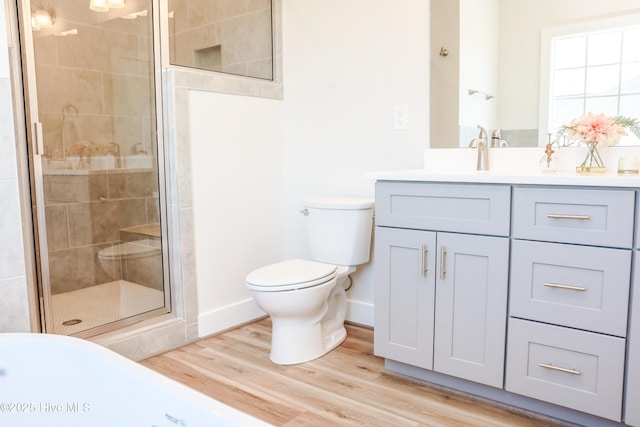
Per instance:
(101,304)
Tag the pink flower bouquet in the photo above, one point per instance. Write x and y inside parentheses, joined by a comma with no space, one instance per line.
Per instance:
(597,131)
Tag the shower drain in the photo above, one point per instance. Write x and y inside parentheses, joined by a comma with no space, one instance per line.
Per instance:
(71,322)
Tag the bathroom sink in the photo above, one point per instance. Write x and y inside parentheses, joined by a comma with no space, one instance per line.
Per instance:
(102,162)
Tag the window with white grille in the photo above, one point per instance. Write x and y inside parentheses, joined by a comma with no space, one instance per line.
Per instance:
(591,67)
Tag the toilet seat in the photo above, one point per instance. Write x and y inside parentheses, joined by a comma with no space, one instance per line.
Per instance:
(290,275)
(130,250)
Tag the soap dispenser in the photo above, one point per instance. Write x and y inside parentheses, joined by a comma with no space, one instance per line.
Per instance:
(549,162)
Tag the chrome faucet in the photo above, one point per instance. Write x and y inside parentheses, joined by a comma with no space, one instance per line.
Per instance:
(114,150)
(497,141)
(496,138)
(481,143)
(138,148)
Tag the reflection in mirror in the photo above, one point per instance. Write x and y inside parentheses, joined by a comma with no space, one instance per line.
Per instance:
(232,37)
(593,66)
(492,73)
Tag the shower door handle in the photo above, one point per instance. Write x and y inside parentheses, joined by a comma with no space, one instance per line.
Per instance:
(38,140)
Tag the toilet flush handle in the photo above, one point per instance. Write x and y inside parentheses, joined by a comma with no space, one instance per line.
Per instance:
(305,212)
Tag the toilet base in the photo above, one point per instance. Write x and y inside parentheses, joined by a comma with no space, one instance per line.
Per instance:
(309,342)
(294,341)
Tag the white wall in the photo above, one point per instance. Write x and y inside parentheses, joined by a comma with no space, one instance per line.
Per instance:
(238,197)
(346,64)
(444,72)
(479,32)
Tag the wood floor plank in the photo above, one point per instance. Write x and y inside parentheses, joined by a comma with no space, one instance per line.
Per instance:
(178,367)
(345,387)
(294,387)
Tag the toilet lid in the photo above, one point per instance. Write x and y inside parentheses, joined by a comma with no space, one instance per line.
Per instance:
(289,275)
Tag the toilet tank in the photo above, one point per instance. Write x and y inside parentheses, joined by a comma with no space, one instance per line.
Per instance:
(339,229)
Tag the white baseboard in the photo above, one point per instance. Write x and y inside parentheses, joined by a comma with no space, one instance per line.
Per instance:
(230,316)
(360,312)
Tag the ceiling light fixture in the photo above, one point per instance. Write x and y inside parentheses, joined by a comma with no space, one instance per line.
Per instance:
(106,5)
(43,19)
(99,5)
(34,25)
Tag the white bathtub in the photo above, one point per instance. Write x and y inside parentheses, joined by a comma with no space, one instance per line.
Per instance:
(53,380)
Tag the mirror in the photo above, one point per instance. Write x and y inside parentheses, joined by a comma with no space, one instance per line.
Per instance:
(486,64)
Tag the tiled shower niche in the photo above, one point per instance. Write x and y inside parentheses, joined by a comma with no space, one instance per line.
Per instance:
(228,36)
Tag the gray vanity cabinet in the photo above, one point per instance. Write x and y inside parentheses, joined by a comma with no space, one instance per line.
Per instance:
(569,294)
(441,296)
(447,254)
(632,402)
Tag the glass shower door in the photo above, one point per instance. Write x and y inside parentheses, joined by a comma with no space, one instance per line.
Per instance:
(91,100)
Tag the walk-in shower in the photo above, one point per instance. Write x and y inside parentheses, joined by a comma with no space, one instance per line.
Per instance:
(91,99)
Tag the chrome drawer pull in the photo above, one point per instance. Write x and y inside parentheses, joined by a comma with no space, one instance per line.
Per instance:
(557,368)
(425,261)
(571,288)
(561,216)
(443,262)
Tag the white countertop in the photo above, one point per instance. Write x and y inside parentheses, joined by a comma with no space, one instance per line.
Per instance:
(518,166)
(522,177)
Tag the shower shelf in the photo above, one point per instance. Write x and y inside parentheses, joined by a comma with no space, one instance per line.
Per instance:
(149,230)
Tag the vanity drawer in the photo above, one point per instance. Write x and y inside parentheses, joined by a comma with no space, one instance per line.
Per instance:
(481,209)
(567,367)
(583,287)
(584,216)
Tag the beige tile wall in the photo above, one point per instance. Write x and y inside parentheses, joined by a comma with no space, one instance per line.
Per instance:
(241,30)
(85,213)
(110,101)
(109,64)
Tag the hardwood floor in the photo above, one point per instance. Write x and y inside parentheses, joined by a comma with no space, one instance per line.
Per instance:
(345,387)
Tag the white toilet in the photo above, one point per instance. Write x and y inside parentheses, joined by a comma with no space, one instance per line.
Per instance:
(306,300)
(136,255)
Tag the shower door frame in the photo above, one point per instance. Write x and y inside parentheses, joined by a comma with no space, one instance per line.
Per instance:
(29,131)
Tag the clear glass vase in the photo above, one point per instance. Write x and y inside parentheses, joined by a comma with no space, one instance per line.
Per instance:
(591,158)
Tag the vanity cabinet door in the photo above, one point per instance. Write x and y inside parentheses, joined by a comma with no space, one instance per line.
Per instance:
(471,307)
(404,294)
(632,406)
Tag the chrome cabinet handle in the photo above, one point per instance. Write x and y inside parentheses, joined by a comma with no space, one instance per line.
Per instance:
(443,262)
(561,216)
(568,287)
(425,260)
(558,368)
